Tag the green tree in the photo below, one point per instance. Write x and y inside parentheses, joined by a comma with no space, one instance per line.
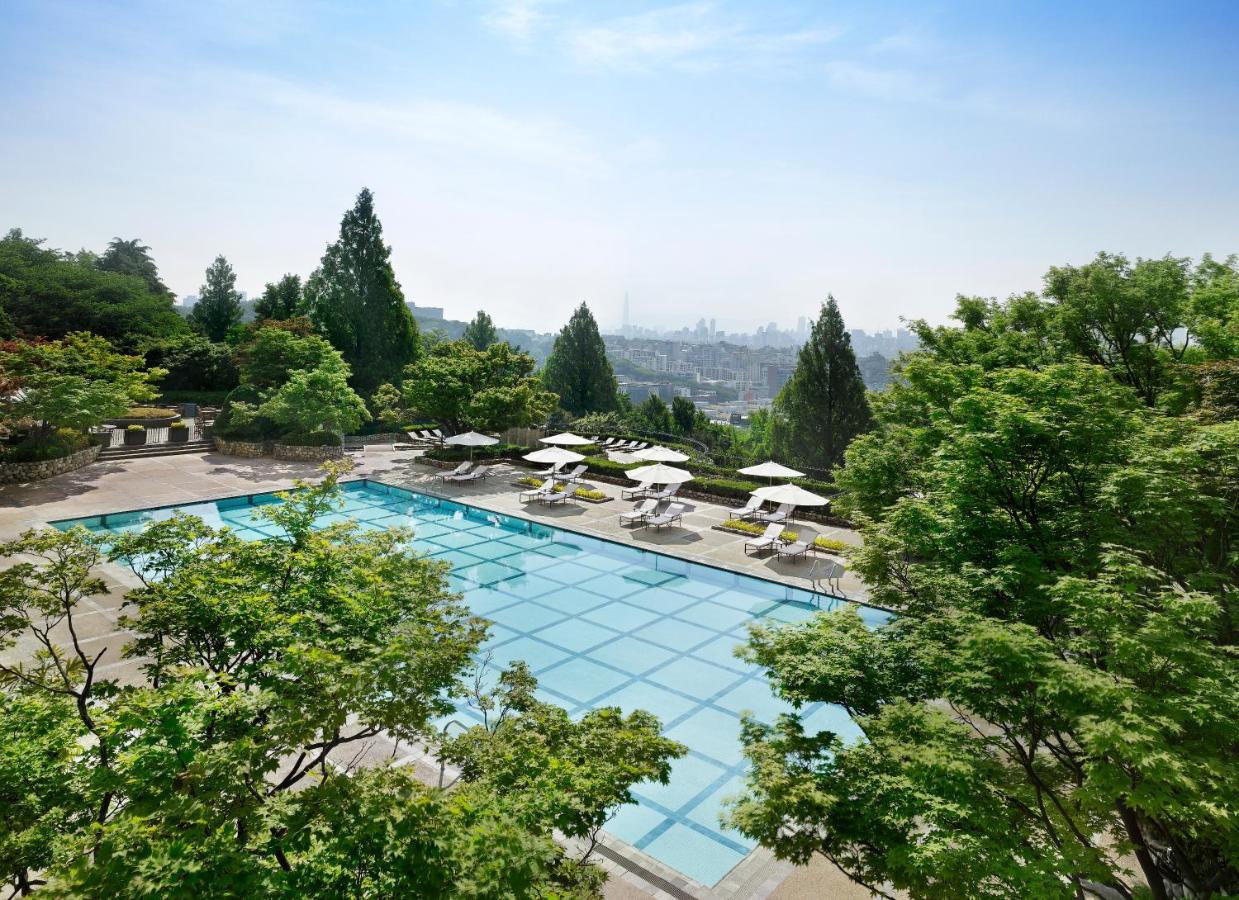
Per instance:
(481,331)
(578,369)
(132,258)
(686,417)
(1125,317)
(193,364)
(1214,306)
(317,400)
(355,301)
(280,299)
(273,353)
(42,294)
(653,415)
(387,406)
(71,384)
(1055,550)
(823,407)
(219,302)
(488,390)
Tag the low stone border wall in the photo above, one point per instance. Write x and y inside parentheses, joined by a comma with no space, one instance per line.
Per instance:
(247,449)
(297,453)
(384,437)
(20,472)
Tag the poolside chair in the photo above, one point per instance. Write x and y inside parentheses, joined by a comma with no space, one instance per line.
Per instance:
(791,551)
(459,470)
(780,515)
(639,445)
(748,511)
(670,517)
(608,443)
(557,496)
(666,493)
(547,473)
(575,474)
(435,435)
(767,541)
(640,512)
(476,475)
(547,487)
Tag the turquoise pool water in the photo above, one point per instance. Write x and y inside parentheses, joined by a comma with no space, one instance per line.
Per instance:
(600,624)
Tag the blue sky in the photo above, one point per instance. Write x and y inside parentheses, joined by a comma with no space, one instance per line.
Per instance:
(725,159)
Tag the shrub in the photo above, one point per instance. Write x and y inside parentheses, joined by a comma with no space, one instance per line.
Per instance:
(61,442)
(136,428)
(460,454)
(723,487)
(829,544)
(600,465)
(756,528)
(582,492)
(310,439)
(179,424)
(148,412)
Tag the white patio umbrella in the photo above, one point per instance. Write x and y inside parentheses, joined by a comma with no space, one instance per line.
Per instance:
(565,439)
(660,474)
(771,470)
(789,493)
(471,439)
(660,454)
(556,456)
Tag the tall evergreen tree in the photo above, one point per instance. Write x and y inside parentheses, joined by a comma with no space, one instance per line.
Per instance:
(578,369)
(354,299)
(219,302)
(280,299)
(481,331)
(132,258)
(823,406)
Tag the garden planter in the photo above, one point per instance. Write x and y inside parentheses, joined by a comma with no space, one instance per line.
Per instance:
(135,438)
(178,435)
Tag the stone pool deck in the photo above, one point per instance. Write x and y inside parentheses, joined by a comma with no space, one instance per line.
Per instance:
(112,486)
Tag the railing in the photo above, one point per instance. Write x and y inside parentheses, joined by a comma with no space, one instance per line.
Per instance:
(157,435)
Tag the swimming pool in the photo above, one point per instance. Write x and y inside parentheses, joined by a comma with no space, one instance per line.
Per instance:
(600,624)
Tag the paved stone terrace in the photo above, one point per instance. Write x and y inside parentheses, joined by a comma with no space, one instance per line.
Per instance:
(113,486)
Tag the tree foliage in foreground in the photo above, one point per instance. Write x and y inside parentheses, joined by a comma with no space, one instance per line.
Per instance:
(462,388)
(578,369)
(270,665)
(1054,711)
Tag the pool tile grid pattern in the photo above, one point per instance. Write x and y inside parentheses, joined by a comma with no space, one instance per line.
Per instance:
(599,624)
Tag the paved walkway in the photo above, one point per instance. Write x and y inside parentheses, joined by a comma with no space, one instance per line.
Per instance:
(114,486)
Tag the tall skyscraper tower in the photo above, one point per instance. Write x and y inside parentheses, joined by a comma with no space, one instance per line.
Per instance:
(627,328)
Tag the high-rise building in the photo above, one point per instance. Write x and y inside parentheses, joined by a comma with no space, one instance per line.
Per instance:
(626,330)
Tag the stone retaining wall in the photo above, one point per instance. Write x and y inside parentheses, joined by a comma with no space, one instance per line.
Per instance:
(294,453)
(20,472)
(248,449)
(384,437)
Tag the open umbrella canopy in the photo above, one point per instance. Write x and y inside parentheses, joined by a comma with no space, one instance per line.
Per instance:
(770,469)
(789,493)
(556,456)
(565,439)
(660,454)
(471,439)
(660,474)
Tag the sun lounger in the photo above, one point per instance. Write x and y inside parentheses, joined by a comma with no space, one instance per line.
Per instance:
(748,511)
(608,443)
(666,493)
(547,473)
(782,514)
(476,475)
(793,551)
(639,492)
(547,487)
(767,541)
(670,517)
(639,445)
(435,435)
(461,469)
(640,512)
(575,474)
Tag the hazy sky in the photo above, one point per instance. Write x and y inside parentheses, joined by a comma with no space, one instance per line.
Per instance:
(725,159)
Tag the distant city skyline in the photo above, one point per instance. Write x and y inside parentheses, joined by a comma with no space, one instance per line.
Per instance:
(732,158)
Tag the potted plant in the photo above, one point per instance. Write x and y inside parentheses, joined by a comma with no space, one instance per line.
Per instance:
(135,436)
(178,432)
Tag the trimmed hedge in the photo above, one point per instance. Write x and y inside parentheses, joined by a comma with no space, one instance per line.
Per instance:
(460,454)
(62,442)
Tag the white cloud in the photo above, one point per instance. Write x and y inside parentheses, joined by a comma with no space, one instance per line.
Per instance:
(518,19)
